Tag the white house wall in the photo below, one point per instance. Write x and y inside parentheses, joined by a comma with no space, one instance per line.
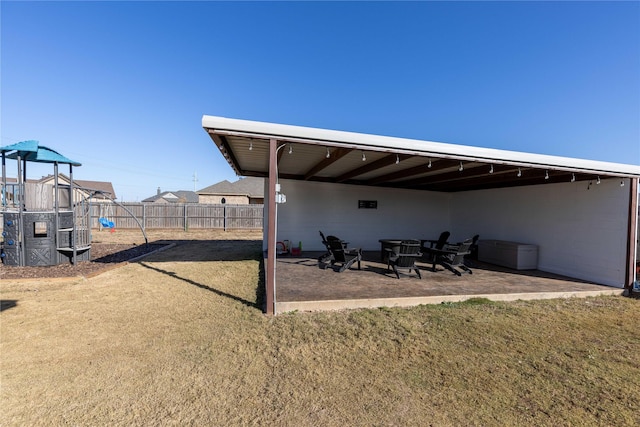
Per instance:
(580,232)
(333,209)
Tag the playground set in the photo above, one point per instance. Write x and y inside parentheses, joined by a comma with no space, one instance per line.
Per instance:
(42,224)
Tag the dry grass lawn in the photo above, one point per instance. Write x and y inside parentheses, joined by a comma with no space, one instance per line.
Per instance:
(180,339)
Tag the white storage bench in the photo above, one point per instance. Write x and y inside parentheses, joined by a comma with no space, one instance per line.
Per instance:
(518,256)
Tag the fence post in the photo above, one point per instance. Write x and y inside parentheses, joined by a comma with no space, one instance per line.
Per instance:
(186,227)
(224,217)
(144,216)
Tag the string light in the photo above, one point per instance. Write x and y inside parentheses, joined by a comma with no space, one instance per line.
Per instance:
(461,168)
(364,158)
(622,183)
(290,149)
(519,173)
(429,165)
(397,159)
(546,174)
(250,146)
(598,180)
(491,170)
(328,153)
(573,177)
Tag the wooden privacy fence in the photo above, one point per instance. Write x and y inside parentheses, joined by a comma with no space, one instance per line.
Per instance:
(183,216)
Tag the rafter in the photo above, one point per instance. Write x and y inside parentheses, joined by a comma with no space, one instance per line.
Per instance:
(337,154)
(436,165)
(380,163)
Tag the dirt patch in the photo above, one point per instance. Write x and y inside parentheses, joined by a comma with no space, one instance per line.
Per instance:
(103,256)
(112,249)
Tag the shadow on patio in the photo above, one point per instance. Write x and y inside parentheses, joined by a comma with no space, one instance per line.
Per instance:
(301,285)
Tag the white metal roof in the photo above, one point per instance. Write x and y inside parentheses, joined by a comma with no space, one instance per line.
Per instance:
(237,138)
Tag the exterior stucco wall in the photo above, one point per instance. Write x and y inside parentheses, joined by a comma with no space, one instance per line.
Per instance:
(580,232)
(333,209)
(217,199)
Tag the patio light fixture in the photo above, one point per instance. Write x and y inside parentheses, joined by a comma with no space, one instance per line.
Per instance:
(598,180)
(290,149)
(429,165)
(491,170)
(622,183)
(546,174)
(364,158)
(519,173)
(328,153)
(397,159)
(461,168)
(250,146)
(573,177)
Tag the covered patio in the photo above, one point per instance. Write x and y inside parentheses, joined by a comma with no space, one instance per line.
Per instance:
(303,286)
(581,215)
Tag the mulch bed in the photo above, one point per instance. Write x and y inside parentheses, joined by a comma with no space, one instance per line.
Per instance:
(104,256)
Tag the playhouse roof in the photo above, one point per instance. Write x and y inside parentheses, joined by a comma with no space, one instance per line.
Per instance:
(32,151)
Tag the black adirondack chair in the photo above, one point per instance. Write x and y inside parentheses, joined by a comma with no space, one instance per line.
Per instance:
(432,248)
(338,253)
(452,258)
(405,258)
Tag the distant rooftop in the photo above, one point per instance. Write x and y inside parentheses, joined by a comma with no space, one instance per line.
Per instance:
(249,186)
(180,196)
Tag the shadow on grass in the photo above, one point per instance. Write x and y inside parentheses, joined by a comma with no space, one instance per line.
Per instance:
(214,250)
(6,304)
(205,287)
(261,301)
(127,254)
(208,250)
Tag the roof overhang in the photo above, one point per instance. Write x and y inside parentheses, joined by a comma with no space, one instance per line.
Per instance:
(313,154)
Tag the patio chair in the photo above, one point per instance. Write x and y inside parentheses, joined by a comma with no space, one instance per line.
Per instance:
(338,253)
(405,258)
(435,246)
(326,257)
(452,258)
(473,249)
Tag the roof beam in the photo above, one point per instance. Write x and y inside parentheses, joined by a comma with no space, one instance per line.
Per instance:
(436,165)
(506,179)
(380,163)
(226,151)
(336,155)
(468,172)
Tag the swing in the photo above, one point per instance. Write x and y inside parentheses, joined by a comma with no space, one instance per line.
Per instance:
(104,222)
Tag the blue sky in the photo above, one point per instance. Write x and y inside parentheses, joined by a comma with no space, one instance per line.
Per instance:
(122,86)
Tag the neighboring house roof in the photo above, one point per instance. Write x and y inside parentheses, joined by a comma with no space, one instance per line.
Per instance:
(180,196)
(249,186)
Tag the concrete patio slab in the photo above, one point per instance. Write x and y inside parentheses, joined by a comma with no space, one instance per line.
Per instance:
(301,285)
